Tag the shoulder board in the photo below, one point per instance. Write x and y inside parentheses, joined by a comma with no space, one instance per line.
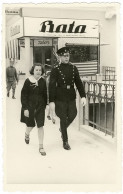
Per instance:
(71,64)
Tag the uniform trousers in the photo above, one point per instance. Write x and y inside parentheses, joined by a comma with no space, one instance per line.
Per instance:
(11,84)
(67,112)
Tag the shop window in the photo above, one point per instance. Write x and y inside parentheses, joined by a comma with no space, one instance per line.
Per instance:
(83,54)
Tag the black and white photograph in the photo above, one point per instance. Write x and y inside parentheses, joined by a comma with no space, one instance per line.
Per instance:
(61,97)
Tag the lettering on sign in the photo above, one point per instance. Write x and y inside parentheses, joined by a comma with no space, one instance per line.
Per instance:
(48,26)
(14,30)
(22,43)
(55,28)
(12,12)
(42,42)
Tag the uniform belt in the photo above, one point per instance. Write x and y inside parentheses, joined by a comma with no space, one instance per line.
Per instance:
(66,86)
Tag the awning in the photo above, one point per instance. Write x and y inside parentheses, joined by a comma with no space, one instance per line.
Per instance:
(79,42)
(12,49)
(87,68)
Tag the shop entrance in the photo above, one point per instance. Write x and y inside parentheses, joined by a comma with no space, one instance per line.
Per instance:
(44,56)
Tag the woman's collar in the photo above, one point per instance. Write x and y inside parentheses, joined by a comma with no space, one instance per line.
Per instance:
(33,80)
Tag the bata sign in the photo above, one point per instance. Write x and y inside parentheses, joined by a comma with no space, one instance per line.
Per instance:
(64,28)
(60,27)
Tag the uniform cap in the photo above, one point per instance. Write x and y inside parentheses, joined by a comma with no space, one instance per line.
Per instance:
(63,50)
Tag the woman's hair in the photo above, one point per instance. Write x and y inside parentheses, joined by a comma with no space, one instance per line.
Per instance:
(33,67)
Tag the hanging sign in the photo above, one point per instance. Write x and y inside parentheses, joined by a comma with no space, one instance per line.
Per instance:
(50,27)
(16,30)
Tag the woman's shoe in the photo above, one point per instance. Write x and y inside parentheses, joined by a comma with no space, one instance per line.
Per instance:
(27,138)
(42,152)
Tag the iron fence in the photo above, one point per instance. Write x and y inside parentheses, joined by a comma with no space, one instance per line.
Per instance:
(108,74)
(99,111)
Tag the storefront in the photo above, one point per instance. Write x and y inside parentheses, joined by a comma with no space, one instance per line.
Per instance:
(41,50)
(36,40)
(33,37)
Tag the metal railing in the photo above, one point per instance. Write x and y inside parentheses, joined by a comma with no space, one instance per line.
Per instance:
(99,111)
(108,74)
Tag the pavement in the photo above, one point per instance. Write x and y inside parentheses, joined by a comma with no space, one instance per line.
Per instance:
(90,160)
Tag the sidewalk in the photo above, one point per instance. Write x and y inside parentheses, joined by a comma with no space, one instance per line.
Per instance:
(89,161)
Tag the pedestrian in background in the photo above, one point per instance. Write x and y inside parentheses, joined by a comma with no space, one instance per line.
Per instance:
(62,94)
(34,101)
(11,78)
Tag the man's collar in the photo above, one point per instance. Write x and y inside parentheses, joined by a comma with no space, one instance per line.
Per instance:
(65,63)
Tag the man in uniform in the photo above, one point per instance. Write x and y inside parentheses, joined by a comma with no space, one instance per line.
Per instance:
(11,78)
(62,94)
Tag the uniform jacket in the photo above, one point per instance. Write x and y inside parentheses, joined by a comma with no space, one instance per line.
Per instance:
(11,74)
(61,77)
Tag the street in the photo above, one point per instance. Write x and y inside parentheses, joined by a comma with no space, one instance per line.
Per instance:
(88,162)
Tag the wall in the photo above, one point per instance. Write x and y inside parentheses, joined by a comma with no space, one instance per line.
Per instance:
(21,63)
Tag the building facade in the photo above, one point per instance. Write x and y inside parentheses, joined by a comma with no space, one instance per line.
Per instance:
(37,32)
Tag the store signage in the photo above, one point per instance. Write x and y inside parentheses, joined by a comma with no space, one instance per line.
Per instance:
(43,42)
(22,43)
(16,30)
(63,28)
(12,11)
(60,27)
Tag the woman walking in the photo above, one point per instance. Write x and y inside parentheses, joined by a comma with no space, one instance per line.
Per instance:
(34,101)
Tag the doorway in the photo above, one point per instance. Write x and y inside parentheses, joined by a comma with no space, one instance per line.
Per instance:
(44,56)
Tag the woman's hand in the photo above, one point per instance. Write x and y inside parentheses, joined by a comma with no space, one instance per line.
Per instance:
(26,113)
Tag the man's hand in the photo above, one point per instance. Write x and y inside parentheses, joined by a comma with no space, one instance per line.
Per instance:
(52,111)
(83,101)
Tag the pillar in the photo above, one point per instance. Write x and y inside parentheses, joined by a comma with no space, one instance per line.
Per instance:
(98,78)
(27,56)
